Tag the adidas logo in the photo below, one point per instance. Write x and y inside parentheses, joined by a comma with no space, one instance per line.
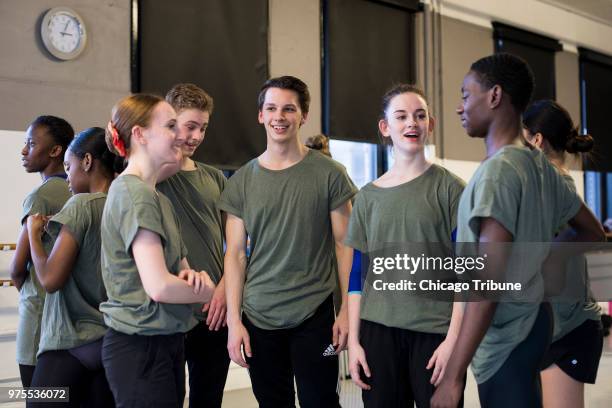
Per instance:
(329,351)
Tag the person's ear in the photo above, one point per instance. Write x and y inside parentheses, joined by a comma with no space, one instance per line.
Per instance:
(383,127)
(87,162)
(538,140)
(495,96)
(56,151)
(304,118)
(138,135)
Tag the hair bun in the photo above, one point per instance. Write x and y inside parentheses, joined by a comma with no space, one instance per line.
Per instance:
(577,143)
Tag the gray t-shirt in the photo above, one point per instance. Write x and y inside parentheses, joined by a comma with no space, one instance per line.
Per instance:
(522,191)
(195,196)
(569,315)
(419,211)
(286,213)
(131,205)
(47,199)
(71,317)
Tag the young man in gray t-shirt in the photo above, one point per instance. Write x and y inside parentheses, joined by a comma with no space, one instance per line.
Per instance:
(294,204)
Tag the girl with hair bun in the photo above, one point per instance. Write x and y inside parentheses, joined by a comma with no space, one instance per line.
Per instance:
(548,126)
(573,357)
(69,354)
(149,283)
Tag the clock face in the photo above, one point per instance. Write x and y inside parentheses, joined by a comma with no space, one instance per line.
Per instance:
(63,33)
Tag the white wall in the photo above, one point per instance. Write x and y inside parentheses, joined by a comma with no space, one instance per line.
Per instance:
(15,184)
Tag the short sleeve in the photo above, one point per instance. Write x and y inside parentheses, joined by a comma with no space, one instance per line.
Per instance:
(497,200)
(142,211)
(33,204)
(455,189)
(73,216)
(341,188)
(567,200)
(356,235)
(232,197)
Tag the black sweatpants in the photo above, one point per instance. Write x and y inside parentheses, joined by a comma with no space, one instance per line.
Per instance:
(145,371)
(397,359)
(517,382)
(208,362)
(305,352)
(87,388)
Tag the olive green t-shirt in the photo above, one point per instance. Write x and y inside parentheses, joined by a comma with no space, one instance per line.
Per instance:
(522,191)
(132,205)
(569,315)
(286,213)
(47,199)
(421,210)
(71,317)
(195,196)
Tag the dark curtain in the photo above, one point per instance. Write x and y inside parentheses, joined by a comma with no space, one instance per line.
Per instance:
(367,47)
(537,50)
(221,46)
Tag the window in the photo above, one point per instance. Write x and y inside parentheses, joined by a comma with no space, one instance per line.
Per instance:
(359,65)
(595,87)
(360,160)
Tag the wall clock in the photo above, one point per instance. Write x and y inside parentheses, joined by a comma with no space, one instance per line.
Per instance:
(63,33)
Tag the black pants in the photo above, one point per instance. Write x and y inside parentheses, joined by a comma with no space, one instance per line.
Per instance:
(303,352)
(26,372)
(397,359)
(145,371)
(59,368)
(517,382)
(208,362)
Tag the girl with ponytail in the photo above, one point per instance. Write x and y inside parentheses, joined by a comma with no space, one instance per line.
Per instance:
(149,282)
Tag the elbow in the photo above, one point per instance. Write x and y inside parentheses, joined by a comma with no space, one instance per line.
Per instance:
(156,292)
(49,287)
(600,235)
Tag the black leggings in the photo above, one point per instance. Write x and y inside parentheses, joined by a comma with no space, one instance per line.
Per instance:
(517,382)
(26,372)
(61,369)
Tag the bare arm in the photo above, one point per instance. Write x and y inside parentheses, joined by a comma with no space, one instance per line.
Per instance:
(158,282)
(476,320)
(235,274)
(585,226)
(344,256)
(19,263)
(357,357)
(52,270)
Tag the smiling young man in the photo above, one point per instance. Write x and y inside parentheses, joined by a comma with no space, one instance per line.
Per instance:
(46,141)
(515,195)
(294,204)
(194,192)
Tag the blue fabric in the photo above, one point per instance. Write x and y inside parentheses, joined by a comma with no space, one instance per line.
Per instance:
(355,276)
